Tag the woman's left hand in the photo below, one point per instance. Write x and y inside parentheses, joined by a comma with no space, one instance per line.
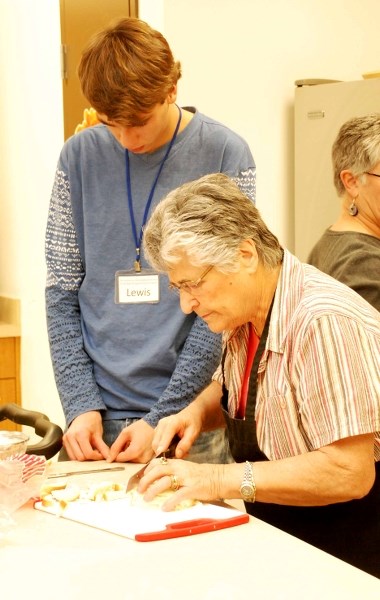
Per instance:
(188,481)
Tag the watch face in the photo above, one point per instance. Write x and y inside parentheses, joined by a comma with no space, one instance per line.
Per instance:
(247,490)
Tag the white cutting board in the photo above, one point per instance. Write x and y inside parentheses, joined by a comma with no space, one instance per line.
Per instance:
(117,516)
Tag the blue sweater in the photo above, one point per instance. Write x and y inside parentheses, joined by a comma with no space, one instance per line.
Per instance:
(129,360)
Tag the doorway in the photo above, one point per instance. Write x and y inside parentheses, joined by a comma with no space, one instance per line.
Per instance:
(80,19)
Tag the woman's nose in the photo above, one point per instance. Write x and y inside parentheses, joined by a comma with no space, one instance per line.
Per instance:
(187,302)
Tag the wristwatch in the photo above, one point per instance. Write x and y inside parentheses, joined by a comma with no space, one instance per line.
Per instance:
(248,486)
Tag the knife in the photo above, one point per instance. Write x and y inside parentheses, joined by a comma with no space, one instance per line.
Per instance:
(169,453)
(88,472)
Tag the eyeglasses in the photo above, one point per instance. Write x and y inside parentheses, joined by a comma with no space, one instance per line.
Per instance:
(373,174)
(190,287)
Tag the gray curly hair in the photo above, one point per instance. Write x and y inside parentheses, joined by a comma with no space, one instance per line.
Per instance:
(207,219)
(356,148)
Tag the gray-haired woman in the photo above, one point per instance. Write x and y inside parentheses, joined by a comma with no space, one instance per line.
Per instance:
(298,387)
(350,249)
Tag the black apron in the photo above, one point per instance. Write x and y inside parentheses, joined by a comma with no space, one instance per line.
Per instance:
(348,530)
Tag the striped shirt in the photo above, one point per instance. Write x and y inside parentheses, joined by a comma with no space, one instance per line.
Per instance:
(319,376)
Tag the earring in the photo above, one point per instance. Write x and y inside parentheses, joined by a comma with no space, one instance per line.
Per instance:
(353,210)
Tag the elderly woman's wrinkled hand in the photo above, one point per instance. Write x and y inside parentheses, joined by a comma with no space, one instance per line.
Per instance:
(187,481)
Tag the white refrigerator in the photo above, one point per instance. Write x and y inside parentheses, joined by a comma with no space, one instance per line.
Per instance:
(320,110)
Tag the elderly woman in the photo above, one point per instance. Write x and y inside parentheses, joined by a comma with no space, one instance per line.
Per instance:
(299,383)
(350,249)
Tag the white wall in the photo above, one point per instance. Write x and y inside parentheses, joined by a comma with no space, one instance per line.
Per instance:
(240,59)
(31,136)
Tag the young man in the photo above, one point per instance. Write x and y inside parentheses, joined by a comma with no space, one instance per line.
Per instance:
(124,355)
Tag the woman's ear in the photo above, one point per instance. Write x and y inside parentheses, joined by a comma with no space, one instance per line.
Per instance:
(350,182)
(248,255)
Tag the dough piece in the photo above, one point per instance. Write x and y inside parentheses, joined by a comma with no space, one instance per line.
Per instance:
(59,494)
(48,500)
(47,487)
(106,490)
(113,494)
(67,495)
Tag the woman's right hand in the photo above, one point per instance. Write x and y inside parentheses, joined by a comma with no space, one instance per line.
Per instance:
(186,425)
(202,414)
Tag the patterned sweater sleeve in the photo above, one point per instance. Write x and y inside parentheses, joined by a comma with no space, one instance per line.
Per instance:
(246,180)
(193,372)
(72,366)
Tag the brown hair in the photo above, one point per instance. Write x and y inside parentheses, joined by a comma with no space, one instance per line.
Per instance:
(126,70)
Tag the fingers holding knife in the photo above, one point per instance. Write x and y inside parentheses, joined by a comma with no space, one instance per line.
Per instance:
(168,439)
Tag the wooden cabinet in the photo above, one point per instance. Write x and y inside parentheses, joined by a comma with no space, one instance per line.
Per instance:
(10,376)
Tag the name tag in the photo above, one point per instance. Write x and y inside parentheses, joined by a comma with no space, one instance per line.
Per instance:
(137,288)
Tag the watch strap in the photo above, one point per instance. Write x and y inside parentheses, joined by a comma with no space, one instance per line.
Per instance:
(248,486)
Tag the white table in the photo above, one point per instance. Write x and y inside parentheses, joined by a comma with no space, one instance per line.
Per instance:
(46,557)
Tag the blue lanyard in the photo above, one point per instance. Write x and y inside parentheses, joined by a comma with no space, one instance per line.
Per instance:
(137,239)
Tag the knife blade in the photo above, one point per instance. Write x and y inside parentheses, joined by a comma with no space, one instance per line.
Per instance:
(85,472)
(169,453)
